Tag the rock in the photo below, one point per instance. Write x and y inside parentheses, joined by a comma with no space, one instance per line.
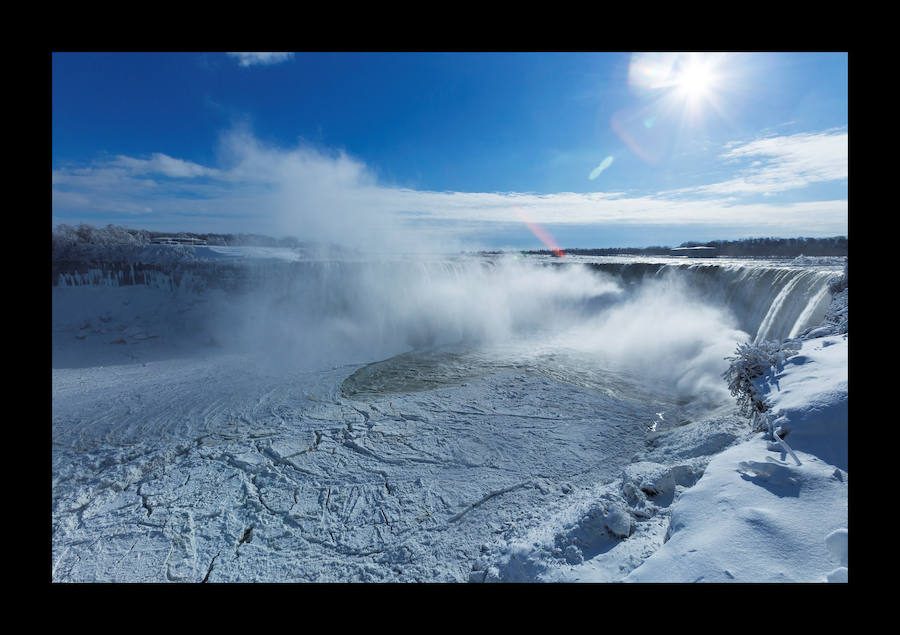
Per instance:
(573,555)
(618,521)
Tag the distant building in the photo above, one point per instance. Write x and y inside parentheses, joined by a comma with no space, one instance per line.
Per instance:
(694,252)
(176,240)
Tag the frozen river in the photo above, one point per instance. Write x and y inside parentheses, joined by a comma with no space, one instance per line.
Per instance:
(460,421)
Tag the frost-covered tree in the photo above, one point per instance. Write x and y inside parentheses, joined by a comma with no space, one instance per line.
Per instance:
(750,362)
(836,315)
(841,283)
(87,246)
(835,321)
(63,239)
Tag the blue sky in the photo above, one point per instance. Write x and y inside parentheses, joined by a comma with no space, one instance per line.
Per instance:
(477,150)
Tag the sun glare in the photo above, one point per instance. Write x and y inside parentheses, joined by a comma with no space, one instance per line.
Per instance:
(685,82)
(676,93)
(696,81)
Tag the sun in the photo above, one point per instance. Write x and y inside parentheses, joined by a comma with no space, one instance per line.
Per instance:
(686,82)
(677,93)
(696,80)
(696,86)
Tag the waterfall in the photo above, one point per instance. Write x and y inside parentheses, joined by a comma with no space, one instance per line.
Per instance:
(768,301)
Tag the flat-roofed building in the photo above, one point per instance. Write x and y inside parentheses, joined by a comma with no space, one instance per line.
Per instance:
(177,240)
(694,252)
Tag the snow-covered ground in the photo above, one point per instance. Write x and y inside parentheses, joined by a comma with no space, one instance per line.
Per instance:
(780,512)
(178,457)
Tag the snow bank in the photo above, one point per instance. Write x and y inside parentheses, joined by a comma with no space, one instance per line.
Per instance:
(756,515)
(807,399)
(217,252)
(805,261)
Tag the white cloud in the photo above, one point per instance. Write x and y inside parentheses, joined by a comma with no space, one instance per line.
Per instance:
(585,209)
(311,195)
(782,163)
(261,59)
(163,164)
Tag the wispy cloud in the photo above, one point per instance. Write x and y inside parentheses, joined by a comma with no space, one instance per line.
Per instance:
(165,165)
(782,163)
(303,192)
(261,59)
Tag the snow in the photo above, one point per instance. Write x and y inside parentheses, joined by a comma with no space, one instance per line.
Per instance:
(218,252)
(804,261)
(179,457)
(774,520)
(398,488)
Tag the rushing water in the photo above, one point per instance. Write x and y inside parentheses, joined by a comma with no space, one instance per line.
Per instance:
(624,328)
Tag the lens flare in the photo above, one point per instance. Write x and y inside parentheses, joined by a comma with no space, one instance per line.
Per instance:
(603,165)
(649,71)
(636,130)
(543,235)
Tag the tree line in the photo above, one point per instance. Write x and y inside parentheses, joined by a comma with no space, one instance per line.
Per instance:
(65,238)
(66,235)
(746,247)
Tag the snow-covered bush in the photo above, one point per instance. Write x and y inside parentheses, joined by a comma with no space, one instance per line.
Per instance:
(750,362)
(836,315)
(841,283)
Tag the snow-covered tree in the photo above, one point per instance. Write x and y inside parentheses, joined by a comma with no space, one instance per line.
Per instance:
(750,362)
(841,283)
